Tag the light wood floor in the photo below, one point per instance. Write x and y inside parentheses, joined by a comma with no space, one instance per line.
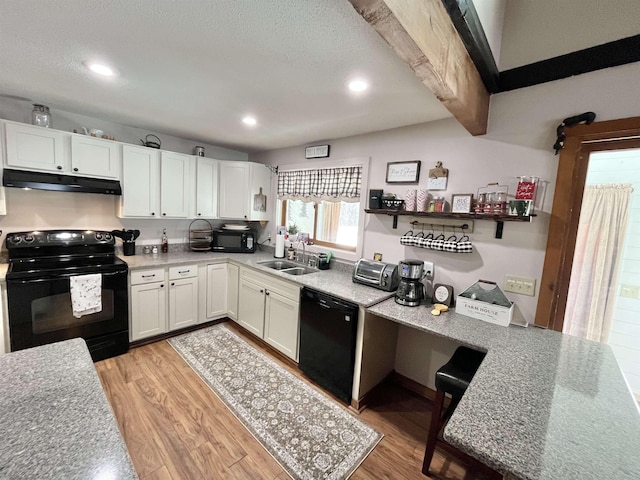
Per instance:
(176,428)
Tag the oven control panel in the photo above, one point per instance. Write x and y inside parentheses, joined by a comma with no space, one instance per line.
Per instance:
(42,238)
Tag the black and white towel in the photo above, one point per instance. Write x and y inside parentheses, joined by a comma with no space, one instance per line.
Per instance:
(86,294)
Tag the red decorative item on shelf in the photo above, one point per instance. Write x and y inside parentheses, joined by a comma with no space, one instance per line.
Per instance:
(526,189)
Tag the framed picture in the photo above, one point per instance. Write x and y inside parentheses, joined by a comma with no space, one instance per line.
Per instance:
(461,203)
(403,172)
(316,151)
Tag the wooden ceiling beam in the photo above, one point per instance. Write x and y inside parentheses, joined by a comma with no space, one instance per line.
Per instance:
(424,37)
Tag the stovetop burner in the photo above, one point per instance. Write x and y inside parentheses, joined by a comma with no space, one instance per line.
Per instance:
(61,252)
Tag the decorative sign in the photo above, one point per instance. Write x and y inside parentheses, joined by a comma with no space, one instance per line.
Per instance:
(461,203)
(317,151)
(526,190)
(403,172)
(438,177)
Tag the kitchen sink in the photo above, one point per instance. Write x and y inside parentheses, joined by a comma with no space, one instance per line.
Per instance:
(290,268)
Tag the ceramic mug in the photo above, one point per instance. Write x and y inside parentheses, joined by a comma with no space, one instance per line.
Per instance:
(94,132)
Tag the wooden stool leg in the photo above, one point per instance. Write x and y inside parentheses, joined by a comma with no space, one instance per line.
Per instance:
(434,428)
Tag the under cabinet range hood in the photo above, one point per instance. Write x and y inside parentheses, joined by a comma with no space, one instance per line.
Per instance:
(60,183)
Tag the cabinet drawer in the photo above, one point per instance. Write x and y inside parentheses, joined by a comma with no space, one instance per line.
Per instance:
(183,271)
(272,283)
(139,277)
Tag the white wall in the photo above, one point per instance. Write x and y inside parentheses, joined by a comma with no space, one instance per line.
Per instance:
(521,134)
(623,166)
(491,15)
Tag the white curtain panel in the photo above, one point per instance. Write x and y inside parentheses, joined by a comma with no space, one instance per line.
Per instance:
(592,288)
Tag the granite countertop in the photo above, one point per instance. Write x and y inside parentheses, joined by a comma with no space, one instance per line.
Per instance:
(543,405)
(335,281)
(55,419)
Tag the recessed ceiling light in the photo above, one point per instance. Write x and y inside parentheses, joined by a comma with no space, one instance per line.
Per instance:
(249,120)
(358,85)
(100,69)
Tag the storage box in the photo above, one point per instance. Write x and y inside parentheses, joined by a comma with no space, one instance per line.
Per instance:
(485,301)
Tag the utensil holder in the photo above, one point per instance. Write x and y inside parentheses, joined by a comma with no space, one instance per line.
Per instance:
(129,248)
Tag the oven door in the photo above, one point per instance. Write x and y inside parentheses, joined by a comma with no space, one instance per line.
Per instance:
(40,310)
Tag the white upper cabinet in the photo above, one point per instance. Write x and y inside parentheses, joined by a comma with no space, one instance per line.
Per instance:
(140,182)
(245,191)
(175,172)
(37,148)
(95,157)
(206,188)
(233,189)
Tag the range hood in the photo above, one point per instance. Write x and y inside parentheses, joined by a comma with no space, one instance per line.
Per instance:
(60,183)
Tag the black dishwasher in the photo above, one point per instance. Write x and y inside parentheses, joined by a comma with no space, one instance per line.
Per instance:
(328,328)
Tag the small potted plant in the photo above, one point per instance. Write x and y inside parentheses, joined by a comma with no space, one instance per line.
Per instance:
(293,232)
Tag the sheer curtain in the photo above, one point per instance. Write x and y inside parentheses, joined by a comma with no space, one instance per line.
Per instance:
(592,288)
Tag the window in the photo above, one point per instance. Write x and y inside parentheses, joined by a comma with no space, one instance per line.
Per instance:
(331,224)
(325,203)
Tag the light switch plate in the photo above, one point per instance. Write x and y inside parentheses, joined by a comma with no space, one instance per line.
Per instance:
(521,285)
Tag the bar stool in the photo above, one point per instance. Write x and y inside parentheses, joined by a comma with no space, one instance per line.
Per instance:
(453,378)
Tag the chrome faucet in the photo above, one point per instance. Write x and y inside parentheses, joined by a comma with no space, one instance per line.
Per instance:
(298,258)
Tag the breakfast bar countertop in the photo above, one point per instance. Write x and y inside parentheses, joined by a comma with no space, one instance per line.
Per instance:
(542,405)
(55,419)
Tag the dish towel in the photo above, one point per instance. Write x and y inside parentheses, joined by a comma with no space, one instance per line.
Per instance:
(86,294)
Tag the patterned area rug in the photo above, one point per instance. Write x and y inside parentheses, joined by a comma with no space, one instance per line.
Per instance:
(309,435)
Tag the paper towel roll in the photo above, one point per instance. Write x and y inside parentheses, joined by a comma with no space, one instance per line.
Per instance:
(279,246)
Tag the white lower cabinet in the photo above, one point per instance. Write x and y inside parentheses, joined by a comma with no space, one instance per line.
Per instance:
(216,290)
(150,302)
(233,279)
(270,309)
(183,296)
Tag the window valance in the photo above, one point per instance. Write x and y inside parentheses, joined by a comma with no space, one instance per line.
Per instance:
(341,183)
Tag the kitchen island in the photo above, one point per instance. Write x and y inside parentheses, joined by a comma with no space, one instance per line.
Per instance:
(542,405)
(55,420)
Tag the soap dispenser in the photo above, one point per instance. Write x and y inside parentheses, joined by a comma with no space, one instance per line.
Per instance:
(165,241)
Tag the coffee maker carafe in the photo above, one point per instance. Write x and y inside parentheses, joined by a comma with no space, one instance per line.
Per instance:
(411,290)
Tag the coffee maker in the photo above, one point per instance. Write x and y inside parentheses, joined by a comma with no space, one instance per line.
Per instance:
(411,290)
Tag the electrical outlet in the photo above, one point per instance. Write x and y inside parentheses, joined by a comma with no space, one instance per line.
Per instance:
(521,285)
(428,270)
(629,291)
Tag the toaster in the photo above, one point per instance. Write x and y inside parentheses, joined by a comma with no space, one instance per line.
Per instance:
(376,274)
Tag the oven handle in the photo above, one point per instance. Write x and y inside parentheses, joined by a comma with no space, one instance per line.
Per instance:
(49,278)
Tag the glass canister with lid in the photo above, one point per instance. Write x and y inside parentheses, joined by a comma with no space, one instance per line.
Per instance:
(40,115)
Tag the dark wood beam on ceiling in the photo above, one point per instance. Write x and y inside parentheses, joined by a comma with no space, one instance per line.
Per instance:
(465,18)
(424,37)
(611,54)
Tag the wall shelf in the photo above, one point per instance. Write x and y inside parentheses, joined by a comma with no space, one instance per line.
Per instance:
(498,218)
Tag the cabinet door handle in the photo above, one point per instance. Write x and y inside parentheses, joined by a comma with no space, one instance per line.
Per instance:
(199,214)
(173,284)
(183,271)
(162,285)
(153,213)
(75,169)
(266,293)
(149,276)
(164,214)
(261,291)
(59,167)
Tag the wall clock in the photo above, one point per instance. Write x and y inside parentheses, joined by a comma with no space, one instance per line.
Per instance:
(443,294)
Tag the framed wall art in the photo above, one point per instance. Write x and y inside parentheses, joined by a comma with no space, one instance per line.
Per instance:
(403,172)
(461,203)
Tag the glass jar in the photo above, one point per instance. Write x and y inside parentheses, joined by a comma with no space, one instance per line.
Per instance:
(480,201)
(41,116)
(499,202)
(438,204)
(488,203)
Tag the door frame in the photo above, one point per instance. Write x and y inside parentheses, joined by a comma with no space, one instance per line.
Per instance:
(573,162)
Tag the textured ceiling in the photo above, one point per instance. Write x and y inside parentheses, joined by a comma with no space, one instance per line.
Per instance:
(194,68)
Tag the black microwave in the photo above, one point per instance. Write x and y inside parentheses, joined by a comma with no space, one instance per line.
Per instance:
(234,241)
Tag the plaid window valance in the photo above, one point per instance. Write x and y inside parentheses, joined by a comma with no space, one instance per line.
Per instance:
(341,183)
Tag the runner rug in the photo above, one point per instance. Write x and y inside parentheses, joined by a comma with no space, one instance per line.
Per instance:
(309,434)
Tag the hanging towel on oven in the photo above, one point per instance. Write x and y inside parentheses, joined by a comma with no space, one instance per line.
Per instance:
(86,294)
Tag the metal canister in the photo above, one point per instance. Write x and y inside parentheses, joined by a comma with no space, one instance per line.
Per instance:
(199,151)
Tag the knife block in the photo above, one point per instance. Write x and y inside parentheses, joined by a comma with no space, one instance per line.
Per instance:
(129,248)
